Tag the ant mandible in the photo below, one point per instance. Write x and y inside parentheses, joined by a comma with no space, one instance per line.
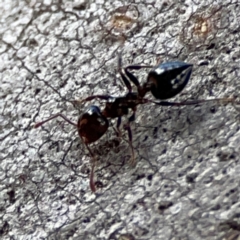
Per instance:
(164,81)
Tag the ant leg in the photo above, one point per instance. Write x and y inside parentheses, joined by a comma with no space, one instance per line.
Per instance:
(118,132)
(131,77)
(127,127)
(125,80)
(194,102)
(92,183)
(142,90)
(91,178)
(90,98)
(52,117)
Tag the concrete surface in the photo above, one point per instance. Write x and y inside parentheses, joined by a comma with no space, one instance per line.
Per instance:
(186,182)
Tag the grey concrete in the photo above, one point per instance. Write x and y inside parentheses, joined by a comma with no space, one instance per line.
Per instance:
(186,182)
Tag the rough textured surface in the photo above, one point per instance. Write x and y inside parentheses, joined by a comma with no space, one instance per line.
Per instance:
(186,182)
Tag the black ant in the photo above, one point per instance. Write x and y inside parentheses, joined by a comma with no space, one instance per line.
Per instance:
(164,81)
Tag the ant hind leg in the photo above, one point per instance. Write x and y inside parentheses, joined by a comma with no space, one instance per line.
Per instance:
(93,163)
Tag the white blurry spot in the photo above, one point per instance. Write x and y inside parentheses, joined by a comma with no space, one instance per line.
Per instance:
(112,99)
(173,81)
(159,71)
(204,27)
(22,52)
(176,208)
(93,110)
(47,2)
(100,120)
(9,37)
(90,111)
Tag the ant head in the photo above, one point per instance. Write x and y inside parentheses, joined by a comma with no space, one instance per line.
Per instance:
(92,125)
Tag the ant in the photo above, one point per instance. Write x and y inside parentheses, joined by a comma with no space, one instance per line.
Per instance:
(164,81)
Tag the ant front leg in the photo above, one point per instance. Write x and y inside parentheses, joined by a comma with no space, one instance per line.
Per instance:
(55,116)
(128,128)
(93,163)
(90,98)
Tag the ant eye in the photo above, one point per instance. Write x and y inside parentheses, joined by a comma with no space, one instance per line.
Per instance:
(93,110)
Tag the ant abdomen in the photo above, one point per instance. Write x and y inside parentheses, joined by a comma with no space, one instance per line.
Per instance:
(169,79)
